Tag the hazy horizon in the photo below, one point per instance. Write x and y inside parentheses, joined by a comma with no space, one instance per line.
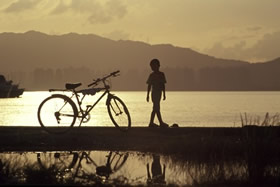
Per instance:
(201,45)
(44,61)
(241,30)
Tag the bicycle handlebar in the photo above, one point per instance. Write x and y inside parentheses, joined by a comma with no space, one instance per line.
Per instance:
(114,74)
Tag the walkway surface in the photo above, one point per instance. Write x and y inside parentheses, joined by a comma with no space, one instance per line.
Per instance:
(111,138)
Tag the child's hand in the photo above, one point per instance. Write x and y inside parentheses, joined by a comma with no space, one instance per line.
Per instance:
(147,98)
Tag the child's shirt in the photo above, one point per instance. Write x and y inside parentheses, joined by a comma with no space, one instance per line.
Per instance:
(157,80)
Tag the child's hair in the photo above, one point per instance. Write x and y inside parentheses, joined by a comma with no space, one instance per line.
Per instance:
(154,62)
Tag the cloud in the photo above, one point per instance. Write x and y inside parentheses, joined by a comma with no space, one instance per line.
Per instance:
(254,28)
(116,8)
(77,6)
(96,11)
(266,48)
(21,5)
(118,35)
(113,9)
(232,52)
(60,8)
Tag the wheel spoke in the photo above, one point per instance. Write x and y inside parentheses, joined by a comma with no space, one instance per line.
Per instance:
(57,114)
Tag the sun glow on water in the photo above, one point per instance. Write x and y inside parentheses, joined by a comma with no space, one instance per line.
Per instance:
(183,108)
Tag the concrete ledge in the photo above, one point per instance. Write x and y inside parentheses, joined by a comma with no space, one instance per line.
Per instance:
(136,139)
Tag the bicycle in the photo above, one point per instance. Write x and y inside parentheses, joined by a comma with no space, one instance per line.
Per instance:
(58,112)
(87,168)
(80,166)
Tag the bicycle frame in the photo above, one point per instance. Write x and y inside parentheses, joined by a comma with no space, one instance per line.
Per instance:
(110,165)
(89,108)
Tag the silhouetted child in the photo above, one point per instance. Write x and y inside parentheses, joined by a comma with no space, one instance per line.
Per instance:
(158,176)
(156,82)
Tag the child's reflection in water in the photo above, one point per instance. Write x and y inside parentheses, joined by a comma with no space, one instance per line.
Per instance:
(158,175)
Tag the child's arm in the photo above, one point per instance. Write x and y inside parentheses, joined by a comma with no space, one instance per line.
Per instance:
(148,92)
(163,90)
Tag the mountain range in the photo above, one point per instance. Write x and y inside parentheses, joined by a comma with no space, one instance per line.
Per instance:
(34,57)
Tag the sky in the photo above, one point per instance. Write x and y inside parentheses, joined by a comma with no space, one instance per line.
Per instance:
(232,29)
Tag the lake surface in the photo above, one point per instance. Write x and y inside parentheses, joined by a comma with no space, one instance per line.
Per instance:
(88,167)
(201,109)
(119,168)
(131,166)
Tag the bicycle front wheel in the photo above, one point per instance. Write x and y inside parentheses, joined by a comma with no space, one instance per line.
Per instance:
(117,160)
(119,113)
(57,114)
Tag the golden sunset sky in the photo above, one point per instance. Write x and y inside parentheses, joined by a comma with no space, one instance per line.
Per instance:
(233,29)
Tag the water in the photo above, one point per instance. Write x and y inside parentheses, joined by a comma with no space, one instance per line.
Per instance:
(120,168)
(81,167)
(203,109)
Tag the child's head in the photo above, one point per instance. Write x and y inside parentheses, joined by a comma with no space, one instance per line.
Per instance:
(155,64)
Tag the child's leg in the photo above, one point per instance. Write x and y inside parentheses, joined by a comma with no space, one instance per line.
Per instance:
(156,110)
(152,117)
(156,97)
(159,117)
(162,124)
(156,100)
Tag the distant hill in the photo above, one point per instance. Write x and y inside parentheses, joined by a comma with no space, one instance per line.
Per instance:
(41,61)
(34,49)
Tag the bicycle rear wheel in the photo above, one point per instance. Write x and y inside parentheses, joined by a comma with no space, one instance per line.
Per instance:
(119,113)
(62,161)
(57,114)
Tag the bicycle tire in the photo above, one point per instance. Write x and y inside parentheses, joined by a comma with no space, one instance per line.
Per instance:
(60,160)
(119,113)
(117,161)
(57,114)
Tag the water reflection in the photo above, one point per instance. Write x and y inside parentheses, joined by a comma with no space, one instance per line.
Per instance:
(85,167)
(115,168)
(158,173)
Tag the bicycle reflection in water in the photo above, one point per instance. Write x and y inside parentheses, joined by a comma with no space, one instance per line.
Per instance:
(80,166)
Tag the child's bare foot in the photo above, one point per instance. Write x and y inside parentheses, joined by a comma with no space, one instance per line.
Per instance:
(164,125)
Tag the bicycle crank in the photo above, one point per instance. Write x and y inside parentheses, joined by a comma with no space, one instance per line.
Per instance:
(85,118)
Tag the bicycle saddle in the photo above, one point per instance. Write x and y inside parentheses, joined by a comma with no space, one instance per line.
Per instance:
(71,86)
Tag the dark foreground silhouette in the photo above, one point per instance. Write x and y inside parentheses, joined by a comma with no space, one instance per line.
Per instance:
(156,85)
(87,168)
